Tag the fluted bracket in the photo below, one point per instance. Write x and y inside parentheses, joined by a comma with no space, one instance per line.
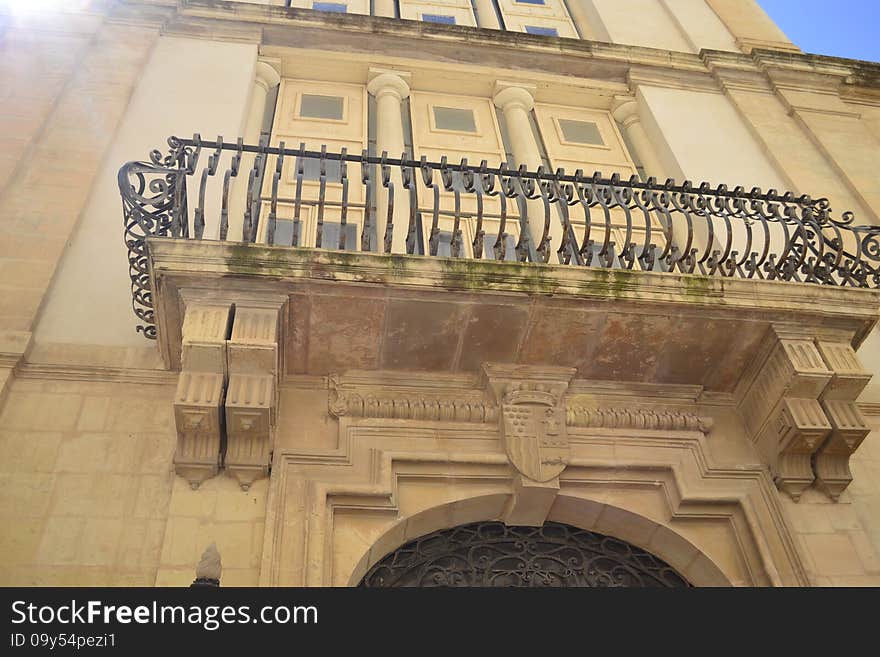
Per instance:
(198,400)
(798,404)
(252,394)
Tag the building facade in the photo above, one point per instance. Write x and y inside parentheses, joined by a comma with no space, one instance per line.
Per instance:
(418,284)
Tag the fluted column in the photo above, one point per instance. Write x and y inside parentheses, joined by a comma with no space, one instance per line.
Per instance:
(266,78)
(486,16)
(390,90)
(626,112)
(384,8)
(516,102)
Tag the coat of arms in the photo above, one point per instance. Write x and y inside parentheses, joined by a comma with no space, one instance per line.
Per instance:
(534,433)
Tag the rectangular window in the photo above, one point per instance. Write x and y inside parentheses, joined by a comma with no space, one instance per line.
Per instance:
(530,2)
(542,31)
(452,118)
(437,18)
(337,7)
(581,132)
(315,106)
(312,169)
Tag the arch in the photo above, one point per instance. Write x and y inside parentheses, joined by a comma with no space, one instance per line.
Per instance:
(492,554)
(664,543)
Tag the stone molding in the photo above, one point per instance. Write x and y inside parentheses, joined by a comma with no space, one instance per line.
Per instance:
(14,347)
(652,419)
(400,396)
(367,486)
(527,407)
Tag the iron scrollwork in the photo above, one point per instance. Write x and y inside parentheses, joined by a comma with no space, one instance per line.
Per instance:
(491,554)
(606,222)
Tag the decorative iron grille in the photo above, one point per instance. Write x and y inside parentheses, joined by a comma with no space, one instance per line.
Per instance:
(599,222)
(491,554)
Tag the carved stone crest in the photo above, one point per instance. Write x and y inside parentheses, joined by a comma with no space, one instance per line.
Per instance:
(534,432)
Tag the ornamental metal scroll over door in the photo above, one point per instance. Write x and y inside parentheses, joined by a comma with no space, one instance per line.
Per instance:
(491,554)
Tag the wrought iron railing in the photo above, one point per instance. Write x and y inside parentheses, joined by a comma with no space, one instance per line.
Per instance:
(300,197)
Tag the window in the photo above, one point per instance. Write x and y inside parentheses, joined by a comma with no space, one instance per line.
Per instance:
(530,2)
(542,31)
(581,132)
(337,7)
(314,106)
(452,118)
(436,18)
(312,169)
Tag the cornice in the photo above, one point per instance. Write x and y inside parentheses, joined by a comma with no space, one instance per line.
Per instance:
(279,266)
(45,371)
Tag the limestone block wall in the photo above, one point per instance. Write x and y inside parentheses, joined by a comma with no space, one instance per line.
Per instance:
(86,482)
(66,81)
(90,497)
(187,86)
(840,542)
(217,512)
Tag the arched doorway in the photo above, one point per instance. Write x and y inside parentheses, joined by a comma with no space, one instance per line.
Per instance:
(491,554)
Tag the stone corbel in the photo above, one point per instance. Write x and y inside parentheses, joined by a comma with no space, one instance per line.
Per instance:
(848,427)
(779,402)
(198,400)
(796,431)
(252,393)
(534,434)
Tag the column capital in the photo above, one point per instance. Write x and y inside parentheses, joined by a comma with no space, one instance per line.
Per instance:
(266,75)
(625,110)
(509,95)
(388,82)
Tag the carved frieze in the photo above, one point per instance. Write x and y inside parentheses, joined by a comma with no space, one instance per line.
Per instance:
(409,405)
(637,418)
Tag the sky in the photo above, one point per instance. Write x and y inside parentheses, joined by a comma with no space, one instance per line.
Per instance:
(842,28)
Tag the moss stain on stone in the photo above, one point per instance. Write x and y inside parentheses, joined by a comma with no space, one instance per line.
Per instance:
(459,273)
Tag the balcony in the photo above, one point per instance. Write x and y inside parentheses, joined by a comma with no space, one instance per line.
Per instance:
(395,264)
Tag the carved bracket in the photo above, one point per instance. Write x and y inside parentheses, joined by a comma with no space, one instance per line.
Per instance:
(198,400)
(230,362)
(252,396)
(799,406)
